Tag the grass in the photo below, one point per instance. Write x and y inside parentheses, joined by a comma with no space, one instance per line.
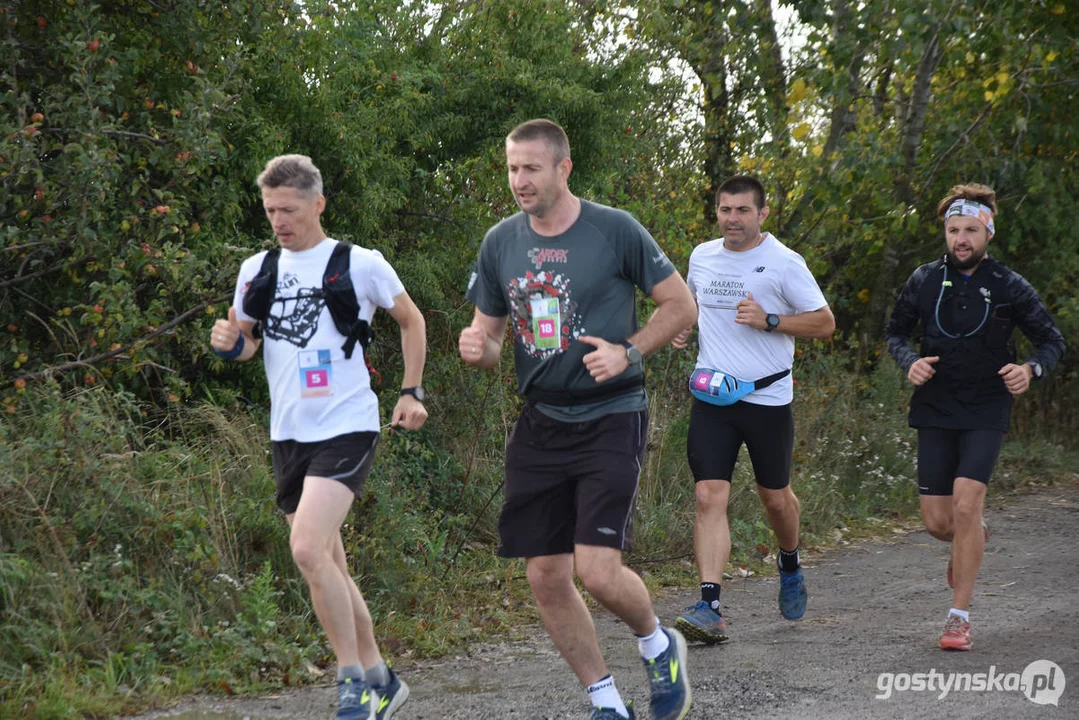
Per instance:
(142,557)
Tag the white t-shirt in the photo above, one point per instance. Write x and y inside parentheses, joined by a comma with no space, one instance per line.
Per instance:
(780,282)
(315,393)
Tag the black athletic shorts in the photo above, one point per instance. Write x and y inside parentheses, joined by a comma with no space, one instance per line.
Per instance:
(571,484)
(716,434)
(346,458)
(944,455)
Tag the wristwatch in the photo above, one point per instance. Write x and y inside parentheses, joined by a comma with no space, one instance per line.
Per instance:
(771,322)
(416,392)
(633,354)
(1036,368)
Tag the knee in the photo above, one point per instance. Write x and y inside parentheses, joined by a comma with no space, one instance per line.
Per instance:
(712,496)
(550,582)
(938,525)
(598,578)
(967,511)
(777,501)
(309,555)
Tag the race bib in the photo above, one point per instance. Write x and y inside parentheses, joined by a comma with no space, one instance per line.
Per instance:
(316,373)
(546,321)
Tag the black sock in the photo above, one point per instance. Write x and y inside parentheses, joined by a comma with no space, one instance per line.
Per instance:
(710,594)
(788,560)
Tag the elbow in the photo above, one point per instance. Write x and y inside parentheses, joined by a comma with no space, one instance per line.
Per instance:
(689,314)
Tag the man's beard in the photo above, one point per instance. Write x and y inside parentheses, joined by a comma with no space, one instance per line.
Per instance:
(973,259)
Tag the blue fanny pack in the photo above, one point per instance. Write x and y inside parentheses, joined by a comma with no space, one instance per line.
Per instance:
(716,388)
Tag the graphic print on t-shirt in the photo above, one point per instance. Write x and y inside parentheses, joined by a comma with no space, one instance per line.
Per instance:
(723,292)
(544,314)
(294,315)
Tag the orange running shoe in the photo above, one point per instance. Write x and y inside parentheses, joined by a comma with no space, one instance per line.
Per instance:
(956,635)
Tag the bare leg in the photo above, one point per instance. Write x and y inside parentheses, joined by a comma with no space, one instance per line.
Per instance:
(968,544)
(566,616)
(711,530)
(365,626)
(784,514)
(316,527)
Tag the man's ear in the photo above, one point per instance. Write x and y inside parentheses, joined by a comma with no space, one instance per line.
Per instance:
(565,167)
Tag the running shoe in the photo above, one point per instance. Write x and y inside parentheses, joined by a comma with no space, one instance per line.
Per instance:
(391,696)
(671,696)
(988,534)
(956,635)
(611,713)
(703,624)
(792,594)
(355,700)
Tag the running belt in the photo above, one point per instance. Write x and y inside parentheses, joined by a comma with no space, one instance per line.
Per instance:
(717,388)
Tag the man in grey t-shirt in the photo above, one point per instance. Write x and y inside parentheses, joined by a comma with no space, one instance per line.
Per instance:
(565,273)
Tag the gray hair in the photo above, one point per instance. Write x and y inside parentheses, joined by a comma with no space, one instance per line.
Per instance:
(294,171)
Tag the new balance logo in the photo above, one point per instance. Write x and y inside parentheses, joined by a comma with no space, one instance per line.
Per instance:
(759,269)
(607,531)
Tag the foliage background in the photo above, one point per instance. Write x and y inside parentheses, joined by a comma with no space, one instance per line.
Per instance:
(140,554)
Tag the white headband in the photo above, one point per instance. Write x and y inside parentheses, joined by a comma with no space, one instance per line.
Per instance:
(970,208)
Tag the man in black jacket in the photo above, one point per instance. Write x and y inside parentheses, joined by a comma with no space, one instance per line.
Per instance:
(968,304)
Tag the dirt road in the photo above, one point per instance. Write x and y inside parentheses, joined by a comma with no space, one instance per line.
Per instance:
(875,612)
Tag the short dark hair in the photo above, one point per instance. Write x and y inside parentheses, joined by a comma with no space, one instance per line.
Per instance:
(970,191)
(743,183)
(542,129)
(294,171)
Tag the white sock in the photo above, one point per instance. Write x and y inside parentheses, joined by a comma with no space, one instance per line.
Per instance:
(604,694)
(651,646)
(965,614)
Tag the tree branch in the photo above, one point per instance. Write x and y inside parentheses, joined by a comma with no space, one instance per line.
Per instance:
(30,276)
(180,319)
(117,133)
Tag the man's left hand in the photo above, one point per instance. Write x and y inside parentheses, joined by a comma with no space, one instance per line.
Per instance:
(409,413)
(751,313)
(1016,377)
(608,360)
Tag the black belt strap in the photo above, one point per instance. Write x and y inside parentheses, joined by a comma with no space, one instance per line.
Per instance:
(766,381)
(585,395)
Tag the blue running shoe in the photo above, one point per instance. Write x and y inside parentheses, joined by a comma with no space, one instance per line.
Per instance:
(703,624)
(792,594)
(611,713)
(355,700)
(391,696)
(671,696)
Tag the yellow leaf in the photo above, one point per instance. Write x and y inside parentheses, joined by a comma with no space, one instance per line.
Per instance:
(1002,77)
(989,96)
(970,58)
(1051,56)
(1057,9)
(797,92)
(800,131)
(818,150)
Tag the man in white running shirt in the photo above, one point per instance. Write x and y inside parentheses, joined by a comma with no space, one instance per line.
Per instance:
(754,297)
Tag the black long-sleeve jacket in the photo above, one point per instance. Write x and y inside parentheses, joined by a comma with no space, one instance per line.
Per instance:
(968,322)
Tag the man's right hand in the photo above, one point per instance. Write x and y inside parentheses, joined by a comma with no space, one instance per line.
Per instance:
(922,370)
(680,340)
(225,333)
(472,344)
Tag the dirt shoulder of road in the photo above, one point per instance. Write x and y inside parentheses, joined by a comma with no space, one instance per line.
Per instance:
(876,609)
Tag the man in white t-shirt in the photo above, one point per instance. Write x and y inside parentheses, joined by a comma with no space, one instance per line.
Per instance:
(324,421)
(754,296)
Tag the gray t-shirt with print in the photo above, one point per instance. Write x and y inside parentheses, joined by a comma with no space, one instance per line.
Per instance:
(555,289)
